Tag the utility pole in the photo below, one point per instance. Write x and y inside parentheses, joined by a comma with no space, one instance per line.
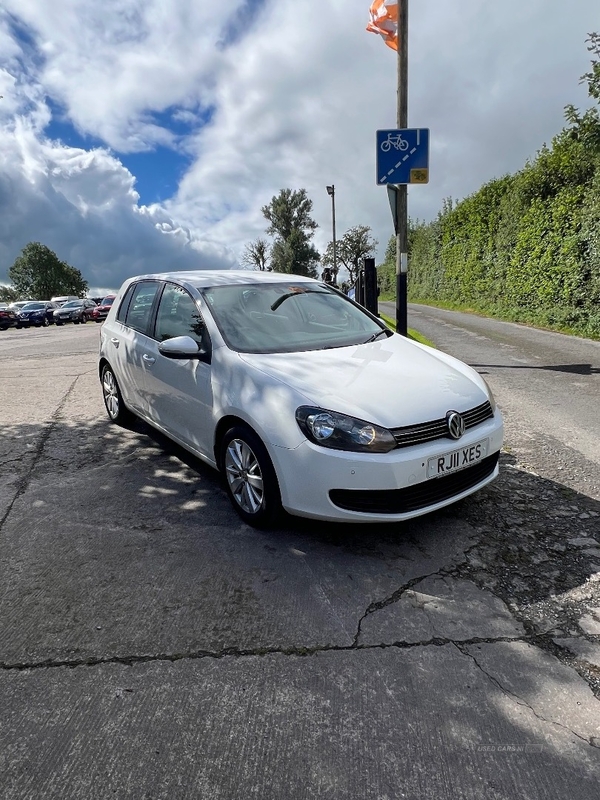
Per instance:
(401,190)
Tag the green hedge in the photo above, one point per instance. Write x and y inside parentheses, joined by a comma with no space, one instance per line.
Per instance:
(524,247)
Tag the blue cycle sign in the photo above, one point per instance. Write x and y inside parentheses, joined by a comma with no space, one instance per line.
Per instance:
(403,156)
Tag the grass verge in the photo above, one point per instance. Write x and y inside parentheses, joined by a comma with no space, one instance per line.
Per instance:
(412,334)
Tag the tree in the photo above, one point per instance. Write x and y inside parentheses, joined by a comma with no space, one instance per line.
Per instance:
(256,255)
(586,127)
(351,250)
(293,228)
(38,273)
(8,294)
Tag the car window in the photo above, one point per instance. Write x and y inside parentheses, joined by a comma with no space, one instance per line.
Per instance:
(140,308)
(122,312)
(285,318)
(178,315)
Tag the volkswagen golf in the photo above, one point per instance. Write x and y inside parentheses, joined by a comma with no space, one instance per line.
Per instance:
(299,396)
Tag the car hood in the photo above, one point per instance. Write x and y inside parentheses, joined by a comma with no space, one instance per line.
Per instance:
(392,383)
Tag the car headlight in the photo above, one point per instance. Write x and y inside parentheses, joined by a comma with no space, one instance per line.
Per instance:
(341,432)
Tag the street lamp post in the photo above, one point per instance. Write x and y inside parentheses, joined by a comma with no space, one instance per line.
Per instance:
(331,193)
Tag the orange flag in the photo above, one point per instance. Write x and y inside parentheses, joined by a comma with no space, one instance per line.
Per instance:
(384,21)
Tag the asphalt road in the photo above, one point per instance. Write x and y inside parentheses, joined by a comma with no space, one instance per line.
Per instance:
(153,646)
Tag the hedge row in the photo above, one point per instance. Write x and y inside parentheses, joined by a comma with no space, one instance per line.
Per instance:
(524,247)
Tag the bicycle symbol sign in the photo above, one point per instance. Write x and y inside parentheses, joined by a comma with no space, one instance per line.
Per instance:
(403,156)
(394,140)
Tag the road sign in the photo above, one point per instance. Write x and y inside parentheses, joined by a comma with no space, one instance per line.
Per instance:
(403,156)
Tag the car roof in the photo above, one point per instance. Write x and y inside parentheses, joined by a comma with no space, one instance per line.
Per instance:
(212,277)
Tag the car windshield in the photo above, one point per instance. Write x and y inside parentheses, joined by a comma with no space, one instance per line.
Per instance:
(73,304)
(287,318)
(33,307)
(108,301)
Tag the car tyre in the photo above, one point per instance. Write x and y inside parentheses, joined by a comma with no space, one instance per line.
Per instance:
(46,322)
(250,477)
(113,399)
(58,323)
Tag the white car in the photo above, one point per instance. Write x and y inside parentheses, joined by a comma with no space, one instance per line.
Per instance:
(301,398)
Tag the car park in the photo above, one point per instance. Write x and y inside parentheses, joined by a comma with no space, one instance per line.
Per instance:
(76,311)
(101,311)
(39,313)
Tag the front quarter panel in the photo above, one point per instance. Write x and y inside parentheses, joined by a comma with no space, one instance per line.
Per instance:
(263,402)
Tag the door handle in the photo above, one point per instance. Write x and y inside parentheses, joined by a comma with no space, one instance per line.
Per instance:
(148,359)
(115,341)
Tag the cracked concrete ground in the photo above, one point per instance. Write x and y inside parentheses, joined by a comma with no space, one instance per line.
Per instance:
(153,646)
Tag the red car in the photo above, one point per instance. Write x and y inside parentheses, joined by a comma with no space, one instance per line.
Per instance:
(8,317)
(100,313)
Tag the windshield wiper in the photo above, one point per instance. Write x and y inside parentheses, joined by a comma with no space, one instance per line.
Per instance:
(283,297)
(376,336)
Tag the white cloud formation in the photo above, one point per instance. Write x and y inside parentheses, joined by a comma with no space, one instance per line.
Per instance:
(293,102)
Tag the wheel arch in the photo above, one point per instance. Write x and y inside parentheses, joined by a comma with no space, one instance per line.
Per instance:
(223,425)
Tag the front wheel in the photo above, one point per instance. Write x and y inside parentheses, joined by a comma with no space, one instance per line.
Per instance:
(250,477)
(46,322)
(113,399)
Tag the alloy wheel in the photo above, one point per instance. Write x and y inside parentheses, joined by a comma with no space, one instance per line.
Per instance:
(244,476)
(111,394)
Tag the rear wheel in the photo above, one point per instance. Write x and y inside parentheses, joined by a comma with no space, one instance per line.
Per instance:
(46,322)
(250,477)
(113,400)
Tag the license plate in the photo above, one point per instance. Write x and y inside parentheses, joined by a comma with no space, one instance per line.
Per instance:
(457,459)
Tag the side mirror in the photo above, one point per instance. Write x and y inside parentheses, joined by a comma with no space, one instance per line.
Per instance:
(183,347)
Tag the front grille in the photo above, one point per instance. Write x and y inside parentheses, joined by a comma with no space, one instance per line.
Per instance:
(413,498)
(437,428)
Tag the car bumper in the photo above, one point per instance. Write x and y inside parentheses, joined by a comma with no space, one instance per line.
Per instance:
(336,485)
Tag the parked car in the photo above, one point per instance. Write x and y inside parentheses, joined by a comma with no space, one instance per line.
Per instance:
(302,398)
(65,298)
(18,305)
(101,311)
(8,318)
(75,311)
(39,313)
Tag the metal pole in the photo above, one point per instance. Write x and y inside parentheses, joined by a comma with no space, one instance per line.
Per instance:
(402,193)
(331,193)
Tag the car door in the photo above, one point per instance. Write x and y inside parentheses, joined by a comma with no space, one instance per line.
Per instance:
(179,390)
(127,342)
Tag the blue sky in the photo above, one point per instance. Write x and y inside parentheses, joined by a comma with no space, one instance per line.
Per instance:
(137,136)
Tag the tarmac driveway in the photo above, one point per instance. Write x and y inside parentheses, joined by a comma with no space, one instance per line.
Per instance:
(154,646)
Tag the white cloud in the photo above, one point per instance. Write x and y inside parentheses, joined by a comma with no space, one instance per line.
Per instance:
(294,103)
